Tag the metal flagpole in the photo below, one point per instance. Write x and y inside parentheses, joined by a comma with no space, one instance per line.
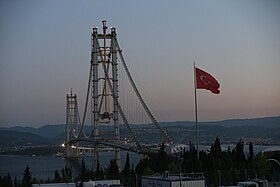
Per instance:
(195,103)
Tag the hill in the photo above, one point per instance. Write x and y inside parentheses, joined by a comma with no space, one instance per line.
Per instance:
(268,122)
(12,138)
(207,134)
(259,130)
(46,131)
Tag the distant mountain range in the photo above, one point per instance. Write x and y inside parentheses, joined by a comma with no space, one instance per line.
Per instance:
(11,137)
(269,122)
(260,129)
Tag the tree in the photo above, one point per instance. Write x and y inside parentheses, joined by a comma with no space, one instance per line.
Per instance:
(16,182)
(6,181)
(239,155)
(126,169)
(132,169)
(216,152)
(27,178)
(148,171)
(173,168)
(260,166)
(98,170)
(84,173)
(216,148)
(140,167)
(101,174)
(161,161)
(66,173)
(113,170)
(251,152)
(98,173)
(250,160)
(57,177)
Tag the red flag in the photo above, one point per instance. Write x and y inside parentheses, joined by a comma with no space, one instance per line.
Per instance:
(206,81)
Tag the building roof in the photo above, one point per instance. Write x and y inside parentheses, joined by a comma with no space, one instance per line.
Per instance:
(272,148)
(185,177)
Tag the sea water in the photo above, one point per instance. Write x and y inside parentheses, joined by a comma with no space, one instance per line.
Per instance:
(43,167)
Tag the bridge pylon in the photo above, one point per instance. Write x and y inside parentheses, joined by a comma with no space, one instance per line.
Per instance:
(72,127)
(104,73)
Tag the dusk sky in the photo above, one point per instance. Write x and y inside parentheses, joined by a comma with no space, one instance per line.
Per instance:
(45,51)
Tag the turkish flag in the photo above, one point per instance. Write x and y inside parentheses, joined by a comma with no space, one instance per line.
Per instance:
(206,81)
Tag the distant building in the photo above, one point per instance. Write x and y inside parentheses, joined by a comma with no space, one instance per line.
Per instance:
(176,149)
(272,149)
(55,185)
(253,183)
(100,183)
(247,184)
(166,180)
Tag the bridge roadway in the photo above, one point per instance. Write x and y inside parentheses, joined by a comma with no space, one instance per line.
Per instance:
(147,149)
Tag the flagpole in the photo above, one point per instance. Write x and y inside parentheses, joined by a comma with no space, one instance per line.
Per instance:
(195,104)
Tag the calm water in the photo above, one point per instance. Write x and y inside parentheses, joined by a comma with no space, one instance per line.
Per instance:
(43,167)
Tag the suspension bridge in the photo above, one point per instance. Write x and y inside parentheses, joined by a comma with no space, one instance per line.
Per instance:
(117,114)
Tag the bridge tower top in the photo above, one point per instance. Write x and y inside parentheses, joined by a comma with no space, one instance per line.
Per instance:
(72,125)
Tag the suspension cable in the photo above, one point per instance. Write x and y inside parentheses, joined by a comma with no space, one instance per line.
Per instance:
(140,98)
(86,103)
(131,131)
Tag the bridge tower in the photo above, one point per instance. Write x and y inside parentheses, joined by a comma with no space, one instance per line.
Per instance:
(104,73)
(72,128)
